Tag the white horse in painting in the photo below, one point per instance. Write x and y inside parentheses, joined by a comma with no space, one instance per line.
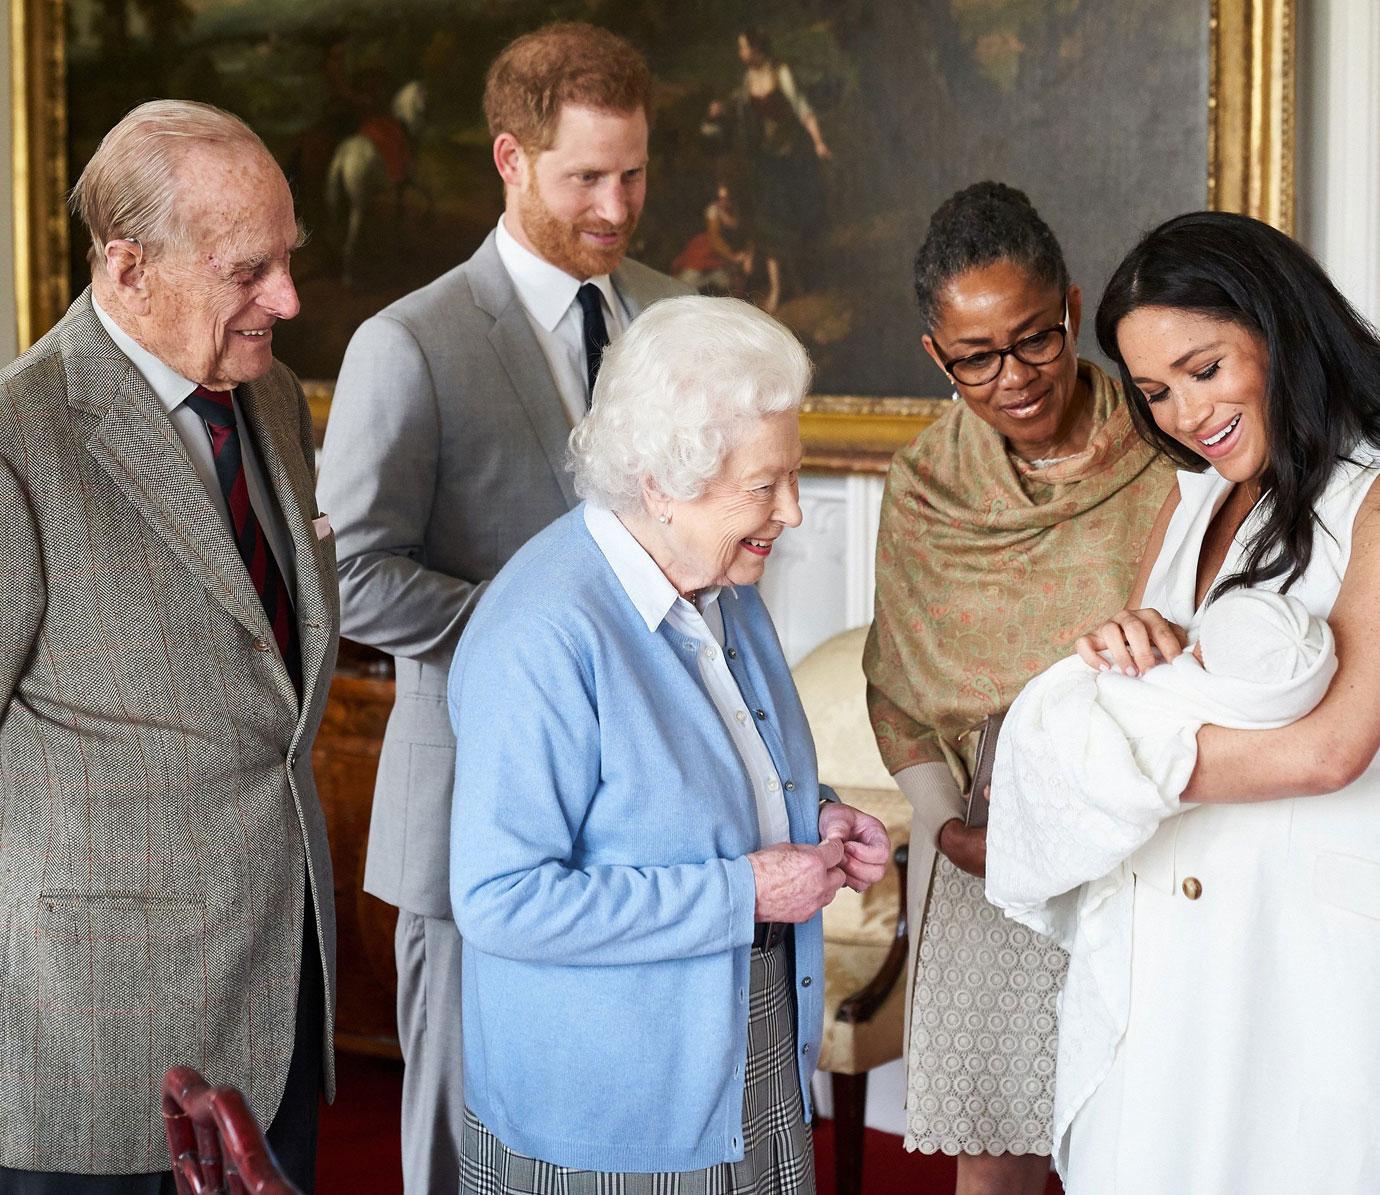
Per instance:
(358,173)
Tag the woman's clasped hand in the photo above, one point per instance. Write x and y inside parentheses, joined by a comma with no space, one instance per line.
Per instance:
(795,881)
(1133,641)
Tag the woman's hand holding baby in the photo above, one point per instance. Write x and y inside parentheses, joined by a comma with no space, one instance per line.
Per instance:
(1130,640)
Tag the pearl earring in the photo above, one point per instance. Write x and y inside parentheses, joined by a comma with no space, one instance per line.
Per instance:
(953,394)
(663,518)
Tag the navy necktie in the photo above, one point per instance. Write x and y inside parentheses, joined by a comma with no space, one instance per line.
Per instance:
(218,412)
(596,332)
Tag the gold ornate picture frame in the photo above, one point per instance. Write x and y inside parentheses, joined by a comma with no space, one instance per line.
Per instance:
(1249,168)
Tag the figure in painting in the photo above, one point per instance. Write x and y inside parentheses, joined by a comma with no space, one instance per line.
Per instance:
(374,161)
(774,132)
(723,259)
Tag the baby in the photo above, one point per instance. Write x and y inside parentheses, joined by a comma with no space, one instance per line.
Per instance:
(1090,763)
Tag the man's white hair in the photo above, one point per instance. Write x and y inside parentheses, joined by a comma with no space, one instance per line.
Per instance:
(130,187)
(672,392)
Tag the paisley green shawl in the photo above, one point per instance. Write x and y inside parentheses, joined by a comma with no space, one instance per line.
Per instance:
(989,569)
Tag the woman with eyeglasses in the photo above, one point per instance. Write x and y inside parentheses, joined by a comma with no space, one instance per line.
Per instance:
(1009,527)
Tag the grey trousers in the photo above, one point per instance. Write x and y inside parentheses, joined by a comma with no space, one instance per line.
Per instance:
(433,1098)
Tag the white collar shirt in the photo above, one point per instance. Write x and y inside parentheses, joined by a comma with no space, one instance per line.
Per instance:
(698,629)
(171,390)
(547,294)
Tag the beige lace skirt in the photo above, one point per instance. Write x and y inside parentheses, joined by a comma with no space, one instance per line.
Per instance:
(980,1075)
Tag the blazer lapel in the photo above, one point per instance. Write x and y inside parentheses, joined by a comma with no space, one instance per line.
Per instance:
(623,282)
(135,442)
(523,360)
(270,407)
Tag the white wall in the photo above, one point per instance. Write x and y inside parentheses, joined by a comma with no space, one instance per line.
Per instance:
(1339,143)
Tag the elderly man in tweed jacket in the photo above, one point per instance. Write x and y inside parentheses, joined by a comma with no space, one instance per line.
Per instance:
(168,622)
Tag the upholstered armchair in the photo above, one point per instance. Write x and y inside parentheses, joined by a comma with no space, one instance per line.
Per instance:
(864,936)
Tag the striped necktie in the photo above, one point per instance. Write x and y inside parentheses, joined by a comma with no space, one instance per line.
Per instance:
(218,412)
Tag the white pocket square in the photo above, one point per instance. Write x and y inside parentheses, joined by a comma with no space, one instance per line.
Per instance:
(322,526)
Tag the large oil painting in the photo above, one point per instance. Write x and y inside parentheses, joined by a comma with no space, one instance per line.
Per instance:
(798,149)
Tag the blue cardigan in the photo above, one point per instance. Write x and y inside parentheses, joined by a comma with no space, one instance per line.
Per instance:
(598,874)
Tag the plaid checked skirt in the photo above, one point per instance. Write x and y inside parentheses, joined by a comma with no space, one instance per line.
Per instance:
(778,1156)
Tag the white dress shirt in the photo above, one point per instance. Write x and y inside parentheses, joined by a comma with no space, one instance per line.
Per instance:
(701,630)
(548,295)
(172,390)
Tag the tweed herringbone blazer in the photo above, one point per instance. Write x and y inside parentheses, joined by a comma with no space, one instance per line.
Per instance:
(159,824)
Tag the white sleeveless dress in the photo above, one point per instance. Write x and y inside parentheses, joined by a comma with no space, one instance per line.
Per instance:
(1251,1060)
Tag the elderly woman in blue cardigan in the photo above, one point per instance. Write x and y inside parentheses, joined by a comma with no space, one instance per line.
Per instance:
(640,846)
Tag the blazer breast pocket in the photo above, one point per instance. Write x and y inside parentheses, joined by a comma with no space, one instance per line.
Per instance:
(1348,882)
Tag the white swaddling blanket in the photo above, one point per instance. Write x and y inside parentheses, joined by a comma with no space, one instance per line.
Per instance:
(1089,764)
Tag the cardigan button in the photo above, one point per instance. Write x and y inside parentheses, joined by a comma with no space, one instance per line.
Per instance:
(789,786)
(730,653)
(761,715)
(806,982)
(1193,888)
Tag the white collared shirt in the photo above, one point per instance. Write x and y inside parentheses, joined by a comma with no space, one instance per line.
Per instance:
(547,294)
(701,630)
(172,389)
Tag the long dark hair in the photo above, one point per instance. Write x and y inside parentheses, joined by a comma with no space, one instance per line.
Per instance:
(1322,395)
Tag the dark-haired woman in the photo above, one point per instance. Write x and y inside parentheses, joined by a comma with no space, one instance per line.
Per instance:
(1251,1058)
(1005,533)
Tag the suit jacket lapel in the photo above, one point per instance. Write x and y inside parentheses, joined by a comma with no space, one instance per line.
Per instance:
(270,407)
(623,283)
(523,359)
(135,443)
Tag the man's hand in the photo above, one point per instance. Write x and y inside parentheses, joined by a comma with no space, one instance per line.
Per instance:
(866,846)
(794,882)
(964,846)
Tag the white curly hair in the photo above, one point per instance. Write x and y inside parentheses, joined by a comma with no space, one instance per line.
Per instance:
(672,392)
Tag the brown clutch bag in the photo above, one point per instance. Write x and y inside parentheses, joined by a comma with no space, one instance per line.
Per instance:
(982,770)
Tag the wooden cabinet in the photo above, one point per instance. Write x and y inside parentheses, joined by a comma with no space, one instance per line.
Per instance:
(346,758)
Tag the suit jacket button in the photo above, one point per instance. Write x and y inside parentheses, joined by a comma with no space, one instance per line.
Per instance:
(260,645)
(1192,888)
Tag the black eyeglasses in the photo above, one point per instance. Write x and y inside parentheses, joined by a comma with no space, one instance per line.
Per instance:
(1039,348)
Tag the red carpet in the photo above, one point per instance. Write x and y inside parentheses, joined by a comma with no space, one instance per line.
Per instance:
(359,1143)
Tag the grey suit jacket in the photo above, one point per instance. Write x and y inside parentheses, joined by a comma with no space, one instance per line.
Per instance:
(157,808)
(444,454)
